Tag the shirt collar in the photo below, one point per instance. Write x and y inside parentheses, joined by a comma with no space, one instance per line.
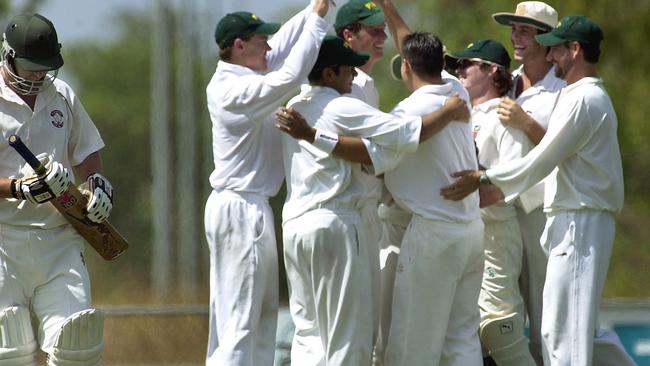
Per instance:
(238,70)
(584,81)
(439,89)
(488,105)
(548,82)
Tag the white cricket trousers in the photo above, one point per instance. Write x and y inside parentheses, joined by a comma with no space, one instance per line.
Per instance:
(243,279)
(503,248)
(373,225)
(579,245)
(44,270)
(435,313)
(329,288)
(533,275)
(394,221)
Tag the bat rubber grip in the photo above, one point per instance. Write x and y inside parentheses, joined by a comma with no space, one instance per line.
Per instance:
(28,155)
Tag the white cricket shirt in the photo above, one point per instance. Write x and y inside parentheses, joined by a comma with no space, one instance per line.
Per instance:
(59,126)
(363,88)
(416,181)
(580,150)
(497,144)
(315,177)
(538,101)
(245,143)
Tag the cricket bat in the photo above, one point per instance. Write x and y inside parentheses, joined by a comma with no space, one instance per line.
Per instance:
(103,237)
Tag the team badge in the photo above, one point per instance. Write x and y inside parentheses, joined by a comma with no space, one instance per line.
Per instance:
(57,118)
(370,5)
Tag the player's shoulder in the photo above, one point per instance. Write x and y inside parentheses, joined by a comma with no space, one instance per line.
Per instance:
(63,88)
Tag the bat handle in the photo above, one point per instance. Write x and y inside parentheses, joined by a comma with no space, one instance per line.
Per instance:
(28,155)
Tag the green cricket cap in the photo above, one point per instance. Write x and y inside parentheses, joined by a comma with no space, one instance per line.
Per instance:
(572,28)
(34,43)
(239,24)
(485,50)
(363,12)
(335,51)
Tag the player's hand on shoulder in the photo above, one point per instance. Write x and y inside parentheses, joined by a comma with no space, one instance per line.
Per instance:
(457,107)
(100,197)
(294,124)
(510,113)
(40,189)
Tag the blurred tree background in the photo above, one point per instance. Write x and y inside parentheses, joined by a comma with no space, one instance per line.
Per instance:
(114,79)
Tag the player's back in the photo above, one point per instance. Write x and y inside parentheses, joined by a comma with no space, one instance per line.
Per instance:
(417,180)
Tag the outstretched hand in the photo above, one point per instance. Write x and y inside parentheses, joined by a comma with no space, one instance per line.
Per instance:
(294,124)
(468,182)
(457,108)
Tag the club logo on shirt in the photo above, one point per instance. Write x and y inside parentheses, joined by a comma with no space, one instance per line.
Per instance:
(57,118)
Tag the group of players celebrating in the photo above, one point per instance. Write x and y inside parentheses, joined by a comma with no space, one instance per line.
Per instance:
(428,235)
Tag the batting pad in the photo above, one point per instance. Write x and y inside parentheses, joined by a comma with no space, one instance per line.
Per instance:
(17,343)
(80,341)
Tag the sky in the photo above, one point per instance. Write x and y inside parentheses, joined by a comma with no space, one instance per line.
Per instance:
(77,20)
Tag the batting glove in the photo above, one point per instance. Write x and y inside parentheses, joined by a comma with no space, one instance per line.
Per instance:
(40,189)
(100,200)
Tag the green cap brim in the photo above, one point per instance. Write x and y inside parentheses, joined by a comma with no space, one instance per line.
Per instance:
(268,28)
(52,63)
(549,39)
(396,67)
(509,18)
(375,19)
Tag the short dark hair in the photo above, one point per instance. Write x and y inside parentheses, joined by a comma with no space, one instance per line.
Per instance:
(424,52)
(591,52)
(226,53)
(354,28)
(317,74)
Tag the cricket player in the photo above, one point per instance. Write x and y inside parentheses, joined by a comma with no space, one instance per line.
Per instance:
(439,270)
(583,193)
(483,68)
(361,24)
(325,243)
(528,107)
(254,76)
(45,297)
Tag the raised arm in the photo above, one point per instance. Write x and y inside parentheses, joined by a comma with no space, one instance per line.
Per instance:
(396,25)
(284,40)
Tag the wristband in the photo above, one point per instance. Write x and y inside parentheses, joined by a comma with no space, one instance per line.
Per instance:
(325,141)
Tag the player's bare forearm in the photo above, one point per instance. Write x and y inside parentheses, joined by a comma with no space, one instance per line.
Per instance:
(347,148)
(455,109)
(91,164)
(396,25)
(534,131)
(510,113)
(352,149)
